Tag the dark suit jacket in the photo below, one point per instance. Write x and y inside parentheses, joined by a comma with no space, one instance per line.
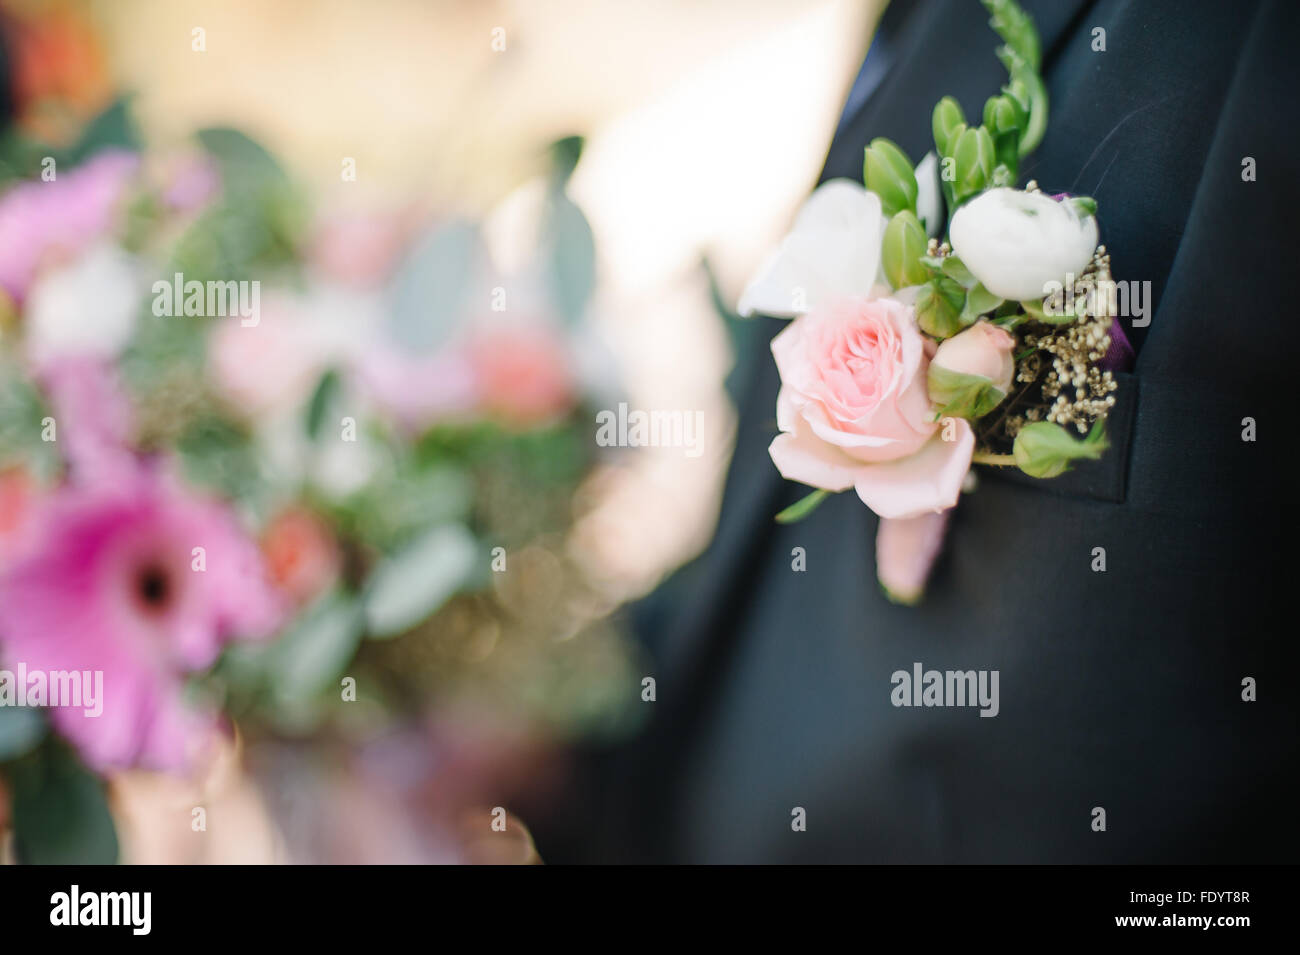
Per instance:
(1119,689)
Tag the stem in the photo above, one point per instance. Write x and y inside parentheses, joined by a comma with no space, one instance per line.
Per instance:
(998,460)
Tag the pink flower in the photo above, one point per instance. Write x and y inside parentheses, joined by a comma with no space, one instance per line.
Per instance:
(192,182)
(93,418)
(43,220)
(854,411)
(357,249)
(419,390)
(983,350)
(271,366)
(18,496)
(116,582)
(524,373)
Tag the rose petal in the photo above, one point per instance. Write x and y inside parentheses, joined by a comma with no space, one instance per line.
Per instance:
(802,456)
(929,480)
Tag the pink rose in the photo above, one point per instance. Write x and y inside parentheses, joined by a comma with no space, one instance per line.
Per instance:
(854,410)
(984,350)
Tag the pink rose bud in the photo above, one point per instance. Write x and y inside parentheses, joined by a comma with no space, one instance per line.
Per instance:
(983,349)
(906,549)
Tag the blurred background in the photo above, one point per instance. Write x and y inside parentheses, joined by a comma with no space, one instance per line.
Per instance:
(474,225)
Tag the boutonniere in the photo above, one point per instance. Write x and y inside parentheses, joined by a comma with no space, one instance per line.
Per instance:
(920,342)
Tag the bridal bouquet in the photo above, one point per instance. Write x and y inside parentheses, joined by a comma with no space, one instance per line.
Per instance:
(260,464)
(941,317)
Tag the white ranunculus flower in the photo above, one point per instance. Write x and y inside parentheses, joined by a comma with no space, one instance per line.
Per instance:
(1016,243)
(832,252)
(85,308)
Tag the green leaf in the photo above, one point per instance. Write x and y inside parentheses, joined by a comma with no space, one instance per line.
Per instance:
(961,395)
(1085,206)
(21,728)
(1046,450)
(60,814)
(901,250)
(802,507)
(565,154)
(979,301)
(956,270)
(114,128)
(322,398)
(939,306)
(410,585)
(430,288)
(888,173)
(316,649)
(238,155)
(1036,312)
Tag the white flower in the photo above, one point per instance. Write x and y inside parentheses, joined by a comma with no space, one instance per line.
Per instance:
(832,252)
(1016,243)
(929,209)
(84,309)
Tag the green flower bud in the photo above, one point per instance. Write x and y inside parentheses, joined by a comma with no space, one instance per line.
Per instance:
(1045,450)
(973,153)
(901,251)
(944,121)
(887,172)
(1004,118)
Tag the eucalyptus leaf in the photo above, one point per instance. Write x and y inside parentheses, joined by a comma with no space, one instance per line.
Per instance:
(410,585)
(114,128)
(571,256)
(238,155)
(313,653)
(323,396)
(430,288)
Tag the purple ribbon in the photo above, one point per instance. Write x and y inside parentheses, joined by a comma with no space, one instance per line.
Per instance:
(1119,356)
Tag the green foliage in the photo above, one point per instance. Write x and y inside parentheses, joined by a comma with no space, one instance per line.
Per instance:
(802,507)
(1046,450)
(60,814)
